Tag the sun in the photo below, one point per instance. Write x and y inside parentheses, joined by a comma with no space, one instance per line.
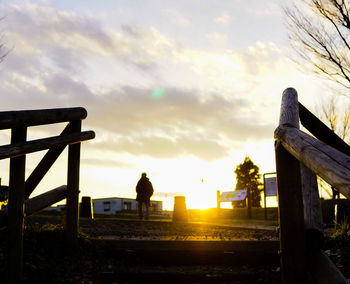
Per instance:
(202,197)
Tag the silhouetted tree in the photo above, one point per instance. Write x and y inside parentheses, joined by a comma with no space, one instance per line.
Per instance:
(338,120)
(319,32)
(248,177)
(3,50)
(336,117)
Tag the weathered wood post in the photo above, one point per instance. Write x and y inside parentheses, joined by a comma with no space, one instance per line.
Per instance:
(218,203)
(312,209)
(72,208)
(291,217)
(16,209)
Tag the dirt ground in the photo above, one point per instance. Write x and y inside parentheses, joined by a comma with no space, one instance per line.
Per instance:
(46,259)
(167,230)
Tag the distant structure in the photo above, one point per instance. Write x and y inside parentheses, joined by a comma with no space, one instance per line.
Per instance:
(238,198)
(113,205)
(180,210)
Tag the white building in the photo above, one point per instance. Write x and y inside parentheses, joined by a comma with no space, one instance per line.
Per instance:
(113,205)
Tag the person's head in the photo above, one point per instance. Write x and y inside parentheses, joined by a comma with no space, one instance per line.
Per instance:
(144,175)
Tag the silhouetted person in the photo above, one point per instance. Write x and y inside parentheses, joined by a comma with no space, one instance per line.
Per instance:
(144,191)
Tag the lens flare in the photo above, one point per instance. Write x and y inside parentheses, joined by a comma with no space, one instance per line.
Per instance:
(158,93)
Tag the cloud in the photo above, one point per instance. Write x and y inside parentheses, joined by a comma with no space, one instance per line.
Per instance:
(35,24)
(180,123)
(167,148)
(268,10)
(218,38)
(62,59)
(177,18)
(105,163)
(224,19)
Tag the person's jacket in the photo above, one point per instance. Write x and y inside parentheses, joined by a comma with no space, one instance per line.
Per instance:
(144,190)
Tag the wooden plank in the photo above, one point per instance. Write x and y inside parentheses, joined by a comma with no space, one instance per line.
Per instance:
(72,208)
(291,217)
(321,131)
(35,204)
(9,119)
(15,208)
(22,148)
(266,246)
(325,161)
(45,200)
(44,165)
(191,252)
(323,270)
(312,209)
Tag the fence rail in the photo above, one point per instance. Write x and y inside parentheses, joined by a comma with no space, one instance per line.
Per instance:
(299,158)
(19,204)
(20,118)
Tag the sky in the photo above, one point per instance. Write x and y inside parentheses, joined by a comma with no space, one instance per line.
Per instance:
(182,90)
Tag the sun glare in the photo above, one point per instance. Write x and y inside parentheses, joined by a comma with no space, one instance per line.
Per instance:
(202,197)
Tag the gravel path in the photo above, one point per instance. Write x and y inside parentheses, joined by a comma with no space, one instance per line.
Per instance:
(167,230)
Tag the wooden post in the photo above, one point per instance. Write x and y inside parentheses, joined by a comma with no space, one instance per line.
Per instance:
(249,203)
(265,209)
(218,202)
(72,208)
(323,270)
(180,210)
(312,210)
(16,209)
(291,217)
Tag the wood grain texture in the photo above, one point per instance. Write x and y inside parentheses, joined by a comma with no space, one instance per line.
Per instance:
(289,108)
(291,217)
(312,209)
(325,161)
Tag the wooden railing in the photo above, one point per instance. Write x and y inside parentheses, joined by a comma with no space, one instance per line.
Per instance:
(299,158)
(19,203)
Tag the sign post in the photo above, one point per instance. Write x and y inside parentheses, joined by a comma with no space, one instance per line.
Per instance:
(270,188)
(237,195)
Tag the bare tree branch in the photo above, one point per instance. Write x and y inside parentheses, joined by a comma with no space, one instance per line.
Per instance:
(319,32)
(3,50)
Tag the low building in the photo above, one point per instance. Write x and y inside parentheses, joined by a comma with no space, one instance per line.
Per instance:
(113,205)
(57,208)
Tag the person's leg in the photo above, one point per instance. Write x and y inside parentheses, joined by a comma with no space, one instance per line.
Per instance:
(146,210)
(140,209)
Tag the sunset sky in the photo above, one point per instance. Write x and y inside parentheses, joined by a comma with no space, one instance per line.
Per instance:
(182,90)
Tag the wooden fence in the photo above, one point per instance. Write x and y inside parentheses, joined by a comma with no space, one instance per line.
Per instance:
(299,158)
(20,189)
